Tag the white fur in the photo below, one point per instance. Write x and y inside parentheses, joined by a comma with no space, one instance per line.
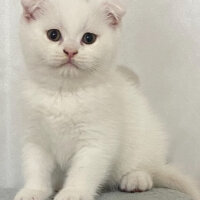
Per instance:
(91,124)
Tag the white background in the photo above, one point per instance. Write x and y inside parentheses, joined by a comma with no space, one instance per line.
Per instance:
(161,42)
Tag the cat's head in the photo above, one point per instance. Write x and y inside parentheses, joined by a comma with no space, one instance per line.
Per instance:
(70,37)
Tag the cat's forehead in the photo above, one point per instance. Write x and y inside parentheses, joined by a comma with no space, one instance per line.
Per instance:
(72,7)
(74,14)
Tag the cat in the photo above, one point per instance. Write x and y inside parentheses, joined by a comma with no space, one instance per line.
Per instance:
(88,124)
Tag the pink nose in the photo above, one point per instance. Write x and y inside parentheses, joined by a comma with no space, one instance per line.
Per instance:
(70,54)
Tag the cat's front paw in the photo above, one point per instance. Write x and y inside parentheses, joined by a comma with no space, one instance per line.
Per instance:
(29,194)
(138,181)
(66,194)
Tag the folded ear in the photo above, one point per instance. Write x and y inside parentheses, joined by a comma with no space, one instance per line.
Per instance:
(32,8)
(114,11)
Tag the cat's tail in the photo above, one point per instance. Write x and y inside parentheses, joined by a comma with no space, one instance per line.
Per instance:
(169,177)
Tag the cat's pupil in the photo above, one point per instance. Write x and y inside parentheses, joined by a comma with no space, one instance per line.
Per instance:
(54,35)
(89,38)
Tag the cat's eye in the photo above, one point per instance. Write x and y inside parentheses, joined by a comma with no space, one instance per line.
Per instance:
(89,38)
(54,35)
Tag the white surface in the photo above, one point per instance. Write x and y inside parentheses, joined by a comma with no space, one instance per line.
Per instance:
(161,42)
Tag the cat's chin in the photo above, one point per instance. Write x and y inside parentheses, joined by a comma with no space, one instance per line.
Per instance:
(68,70)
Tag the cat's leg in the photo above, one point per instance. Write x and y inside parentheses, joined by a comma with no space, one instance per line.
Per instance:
(88,171)
(136,181)
(38,166)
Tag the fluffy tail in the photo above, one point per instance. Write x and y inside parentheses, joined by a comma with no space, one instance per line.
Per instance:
(170,177)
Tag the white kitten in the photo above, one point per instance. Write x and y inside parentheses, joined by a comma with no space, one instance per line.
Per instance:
(86,118)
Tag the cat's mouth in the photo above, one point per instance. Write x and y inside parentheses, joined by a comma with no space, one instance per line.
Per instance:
(69,64)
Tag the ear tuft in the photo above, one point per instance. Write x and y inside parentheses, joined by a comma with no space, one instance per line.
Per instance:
(31,7)
(114,11)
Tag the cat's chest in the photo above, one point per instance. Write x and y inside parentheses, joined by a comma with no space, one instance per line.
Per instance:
(61,121)
(59,113)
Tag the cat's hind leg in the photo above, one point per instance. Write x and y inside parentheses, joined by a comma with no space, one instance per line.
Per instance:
(136,181)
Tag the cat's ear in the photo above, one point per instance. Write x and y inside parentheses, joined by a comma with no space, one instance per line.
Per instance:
(32,8)
(114,11)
